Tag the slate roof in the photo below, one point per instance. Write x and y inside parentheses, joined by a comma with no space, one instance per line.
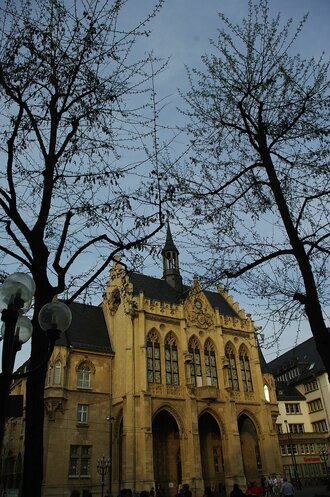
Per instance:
(159,289)
(88,329)
(287,392)
(263,364)
(304,355)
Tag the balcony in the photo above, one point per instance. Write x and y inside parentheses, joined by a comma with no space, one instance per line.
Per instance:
(207,392)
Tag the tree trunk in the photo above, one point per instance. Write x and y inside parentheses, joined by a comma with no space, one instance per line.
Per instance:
(310,299)
(34,415)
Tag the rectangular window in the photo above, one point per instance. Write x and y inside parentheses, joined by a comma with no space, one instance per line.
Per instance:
(79,464)
(82,413)
(311,386)
(320,426)
(279,428)
(84,377)
(296,427)
(57,373)
(315,405)
(292,408)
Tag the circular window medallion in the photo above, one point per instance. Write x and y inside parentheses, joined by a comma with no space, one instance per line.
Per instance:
(198,304)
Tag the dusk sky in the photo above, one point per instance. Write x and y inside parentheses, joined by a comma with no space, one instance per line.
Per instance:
(182,31)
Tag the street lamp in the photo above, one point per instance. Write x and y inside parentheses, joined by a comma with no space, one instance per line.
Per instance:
(293,457)
(102,466)
(111,420)
(16,295)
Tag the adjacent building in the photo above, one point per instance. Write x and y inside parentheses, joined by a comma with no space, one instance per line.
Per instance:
(303,394)
(165,380)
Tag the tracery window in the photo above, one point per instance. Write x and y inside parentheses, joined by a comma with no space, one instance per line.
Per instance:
(195,365)
(171,360)
(210,364)
(232,369)
(84,376)
(57,373)
(153,358)
(245,370)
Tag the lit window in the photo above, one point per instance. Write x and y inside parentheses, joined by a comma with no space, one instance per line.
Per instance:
(266,393)
(153,358)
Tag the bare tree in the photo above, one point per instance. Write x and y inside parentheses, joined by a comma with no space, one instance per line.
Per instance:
(76,119)
(256,187)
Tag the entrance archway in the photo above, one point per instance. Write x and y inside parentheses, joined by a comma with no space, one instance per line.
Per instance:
(250,448)
(167,455)
(213,470)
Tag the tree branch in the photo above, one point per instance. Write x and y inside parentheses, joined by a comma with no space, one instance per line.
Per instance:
(252,265)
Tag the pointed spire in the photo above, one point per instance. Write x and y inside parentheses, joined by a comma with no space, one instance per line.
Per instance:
(169,244)
(171,271)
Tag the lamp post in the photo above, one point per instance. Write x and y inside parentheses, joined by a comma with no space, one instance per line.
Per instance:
(293,457)
(16,295)
(103,466)
(111,420)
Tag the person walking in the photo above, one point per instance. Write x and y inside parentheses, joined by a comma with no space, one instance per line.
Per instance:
(287,489)
(236,492)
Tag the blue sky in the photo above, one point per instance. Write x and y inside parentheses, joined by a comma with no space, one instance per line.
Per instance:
(182,31)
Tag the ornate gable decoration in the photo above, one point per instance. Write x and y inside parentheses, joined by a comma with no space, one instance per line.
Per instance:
(197,308)
(119,289)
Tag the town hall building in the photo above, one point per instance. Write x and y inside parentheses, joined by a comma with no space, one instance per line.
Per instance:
(165,380)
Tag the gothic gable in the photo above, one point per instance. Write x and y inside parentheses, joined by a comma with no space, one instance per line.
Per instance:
(198,309)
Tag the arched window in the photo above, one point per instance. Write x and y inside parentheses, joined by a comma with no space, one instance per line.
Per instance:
(245,370)
(153,358)
(210,364)
(266,393)
(195,365)
(171,360)
(84,376)
(232,369)
(57,373)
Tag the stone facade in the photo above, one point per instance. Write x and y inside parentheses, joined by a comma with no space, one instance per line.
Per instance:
(179,394)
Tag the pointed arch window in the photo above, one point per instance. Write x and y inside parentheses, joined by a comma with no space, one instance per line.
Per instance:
(84,376)
(153,358)
(245,370)
(232,368)
(195,365)
(266,393)
(57,373)
(210,364)
(171,360)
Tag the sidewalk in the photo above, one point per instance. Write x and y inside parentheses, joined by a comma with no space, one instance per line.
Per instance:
(319,490)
